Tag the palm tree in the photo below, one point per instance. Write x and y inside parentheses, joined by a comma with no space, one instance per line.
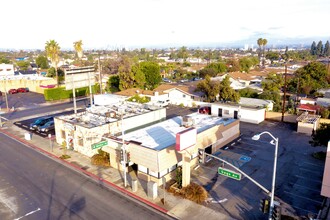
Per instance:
(52,50)
(264,42)
(78,48)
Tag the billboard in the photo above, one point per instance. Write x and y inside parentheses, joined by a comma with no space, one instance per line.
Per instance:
(79,77)
(186,139)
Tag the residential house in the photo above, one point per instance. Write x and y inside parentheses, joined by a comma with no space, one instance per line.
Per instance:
(6,70)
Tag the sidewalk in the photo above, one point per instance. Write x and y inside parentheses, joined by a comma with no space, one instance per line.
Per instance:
(174,206)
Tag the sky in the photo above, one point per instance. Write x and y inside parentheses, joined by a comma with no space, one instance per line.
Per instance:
(107,24)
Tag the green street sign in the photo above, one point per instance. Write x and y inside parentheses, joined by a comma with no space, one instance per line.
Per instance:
(100,144)
(229,173)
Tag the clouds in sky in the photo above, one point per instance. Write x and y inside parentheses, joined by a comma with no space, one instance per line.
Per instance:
(142,23)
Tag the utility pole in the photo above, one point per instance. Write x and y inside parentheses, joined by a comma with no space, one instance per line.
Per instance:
(6,97)
(284,93)
(100,76)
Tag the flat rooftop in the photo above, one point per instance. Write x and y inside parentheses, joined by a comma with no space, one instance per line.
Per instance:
(99,115)
(163,134)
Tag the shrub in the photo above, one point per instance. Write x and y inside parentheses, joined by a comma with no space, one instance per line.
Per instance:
(195,193)
(101,159)
(321,155)
(65,156)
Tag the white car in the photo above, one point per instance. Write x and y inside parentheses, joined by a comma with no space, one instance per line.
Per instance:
(163,103)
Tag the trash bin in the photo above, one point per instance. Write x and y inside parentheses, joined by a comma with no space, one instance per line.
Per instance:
(28,136)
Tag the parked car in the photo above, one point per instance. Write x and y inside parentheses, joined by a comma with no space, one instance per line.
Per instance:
(40,122)
(163,103)
(22,90)
(12,91)
(167,80)
(47,127)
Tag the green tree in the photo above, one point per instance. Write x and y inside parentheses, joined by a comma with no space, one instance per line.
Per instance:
(139,77)
(248,93)
(226,93)
(313,49)
(274,96)
(209,88)
(245,64)
(319,48)
(207,72)
(113,83)
(78,48)
(327,49)
(52,50)
(42,62)
(273,82)
(23,65)
(321,136)
(233,65)
(183,53)
(4,60)
(218,67)
(151,71)
(272,56)
(310,78)
(198,54)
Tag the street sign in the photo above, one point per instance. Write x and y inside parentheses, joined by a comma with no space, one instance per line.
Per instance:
(229,173)
(100,144)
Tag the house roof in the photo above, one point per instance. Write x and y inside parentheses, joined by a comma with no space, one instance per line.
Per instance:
(306,118)
(308,107)
(25,72)
(162,89)
(241,76)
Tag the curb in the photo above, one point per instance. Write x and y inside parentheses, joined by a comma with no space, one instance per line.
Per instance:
(92,175)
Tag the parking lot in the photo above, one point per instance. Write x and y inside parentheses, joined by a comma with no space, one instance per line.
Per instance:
(298,179)
(22,100)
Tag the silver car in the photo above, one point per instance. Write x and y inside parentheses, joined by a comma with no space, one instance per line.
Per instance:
(47,127)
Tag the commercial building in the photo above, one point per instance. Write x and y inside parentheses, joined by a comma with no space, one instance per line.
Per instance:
(151,151)
(83,131)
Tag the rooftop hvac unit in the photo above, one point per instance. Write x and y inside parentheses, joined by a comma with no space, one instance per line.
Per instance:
(187,121)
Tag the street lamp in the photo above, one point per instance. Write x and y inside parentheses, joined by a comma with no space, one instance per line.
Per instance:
(257,137)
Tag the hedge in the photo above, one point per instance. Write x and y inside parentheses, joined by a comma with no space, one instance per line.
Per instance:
(60,93)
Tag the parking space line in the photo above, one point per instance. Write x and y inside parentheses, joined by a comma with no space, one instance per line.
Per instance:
(312,164)
(306,210)
(302,177)
(295,184)
(303,197)
(311,171)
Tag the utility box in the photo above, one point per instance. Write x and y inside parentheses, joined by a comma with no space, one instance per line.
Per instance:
(28,136)
(152,190)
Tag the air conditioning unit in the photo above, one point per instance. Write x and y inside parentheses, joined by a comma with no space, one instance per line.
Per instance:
(187,121)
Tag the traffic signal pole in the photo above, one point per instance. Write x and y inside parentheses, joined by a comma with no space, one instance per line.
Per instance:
(244,174)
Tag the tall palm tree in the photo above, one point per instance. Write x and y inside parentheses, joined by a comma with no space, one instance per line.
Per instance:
(52,50)
(260,43)
(264,43)
(78,48)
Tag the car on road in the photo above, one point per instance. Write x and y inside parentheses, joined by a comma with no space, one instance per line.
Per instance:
(167,80)
(40,122)
(22,90)
(12,91)
(47,127)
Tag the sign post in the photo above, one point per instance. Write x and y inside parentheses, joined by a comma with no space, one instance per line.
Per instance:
(229,173)
(99,144)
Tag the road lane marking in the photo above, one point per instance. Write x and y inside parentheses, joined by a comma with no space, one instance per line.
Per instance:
(27,214)
(295,184)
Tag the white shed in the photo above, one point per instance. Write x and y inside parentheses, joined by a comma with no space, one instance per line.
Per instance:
(254,115)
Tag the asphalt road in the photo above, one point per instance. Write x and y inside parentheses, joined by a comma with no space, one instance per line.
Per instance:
(33,186)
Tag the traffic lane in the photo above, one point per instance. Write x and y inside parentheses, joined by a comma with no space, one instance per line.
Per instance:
(58,191)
